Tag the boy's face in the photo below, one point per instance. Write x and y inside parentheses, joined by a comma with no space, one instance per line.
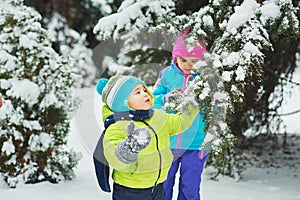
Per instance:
(186,63)
(139,99)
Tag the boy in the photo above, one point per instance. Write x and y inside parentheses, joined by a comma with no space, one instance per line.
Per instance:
(136,144)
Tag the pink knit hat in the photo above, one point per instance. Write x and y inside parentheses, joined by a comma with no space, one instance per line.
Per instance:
(180,49)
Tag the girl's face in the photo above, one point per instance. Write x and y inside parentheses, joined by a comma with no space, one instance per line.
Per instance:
(186,63)
(139,98)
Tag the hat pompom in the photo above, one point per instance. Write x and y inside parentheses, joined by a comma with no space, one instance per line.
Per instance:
(101,84)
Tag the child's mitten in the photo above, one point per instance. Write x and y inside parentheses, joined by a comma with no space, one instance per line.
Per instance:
(174,97)
(136,140)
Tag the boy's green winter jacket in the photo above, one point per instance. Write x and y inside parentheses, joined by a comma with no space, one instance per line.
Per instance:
(154,161)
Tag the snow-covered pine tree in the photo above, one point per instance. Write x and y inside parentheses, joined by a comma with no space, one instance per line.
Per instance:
(36,84)
(73,45)
(248,32)
(242,38)
(72,22)
(141,45)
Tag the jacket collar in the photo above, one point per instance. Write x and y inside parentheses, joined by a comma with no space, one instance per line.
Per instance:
(135,115)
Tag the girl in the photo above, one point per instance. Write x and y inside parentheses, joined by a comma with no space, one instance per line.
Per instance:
(186,145)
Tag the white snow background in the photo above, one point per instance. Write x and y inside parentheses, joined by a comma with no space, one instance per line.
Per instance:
(257,184)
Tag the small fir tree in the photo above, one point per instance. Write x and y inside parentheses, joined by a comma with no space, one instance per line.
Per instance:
(36,84)
(73,45)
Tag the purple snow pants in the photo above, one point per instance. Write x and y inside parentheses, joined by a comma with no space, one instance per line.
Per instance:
(192,164)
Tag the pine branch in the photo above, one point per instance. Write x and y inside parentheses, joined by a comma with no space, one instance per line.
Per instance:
(289,113)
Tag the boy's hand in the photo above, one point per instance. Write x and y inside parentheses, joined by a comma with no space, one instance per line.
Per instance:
(173,97)
(137,140)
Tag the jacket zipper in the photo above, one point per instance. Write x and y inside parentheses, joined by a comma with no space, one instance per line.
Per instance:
(159,154)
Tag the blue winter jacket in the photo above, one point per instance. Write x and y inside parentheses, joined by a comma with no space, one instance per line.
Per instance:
(170,78)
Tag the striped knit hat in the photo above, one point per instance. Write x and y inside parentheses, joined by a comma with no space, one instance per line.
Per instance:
(116,91)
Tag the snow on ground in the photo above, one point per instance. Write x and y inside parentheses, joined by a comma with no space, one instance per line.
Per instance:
(257,184)
(292,104)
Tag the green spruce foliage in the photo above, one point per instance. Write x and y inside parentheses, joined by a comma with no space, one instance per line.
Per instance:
(252,47)
(36,84)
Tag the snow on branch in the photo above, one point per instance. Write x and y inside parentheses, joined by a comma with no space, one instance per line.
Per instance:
(131,17)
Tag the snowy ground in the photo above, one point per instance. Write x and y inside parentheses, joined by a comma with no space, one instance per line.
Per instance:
(257,184)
